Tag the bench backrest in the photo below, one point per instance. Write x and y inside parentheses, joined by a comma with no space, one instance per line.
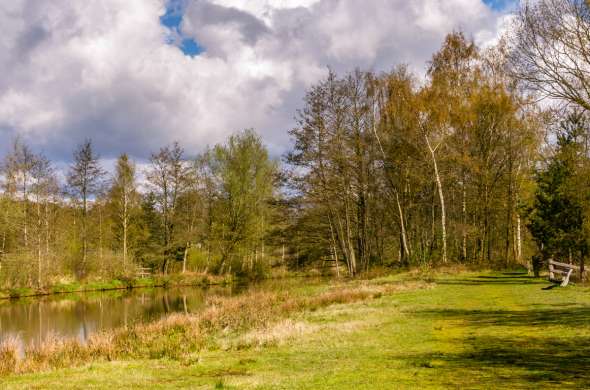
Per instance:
(563,269)
(563,265)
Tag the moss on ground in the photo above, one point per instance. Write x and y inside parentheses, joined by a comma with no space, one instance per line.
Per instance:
(491,330)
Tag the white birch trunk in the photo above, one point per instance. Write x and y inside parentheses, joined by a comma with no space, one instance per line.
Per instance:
(39,225)
(184,257)
(441,197)
(402,226)
(464,217)
(334,250)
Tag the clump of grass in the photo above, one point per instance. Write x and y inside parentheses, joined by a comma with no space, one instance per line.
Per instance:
(276,334)
(246,311)
(8,355)
(179,336)
(53,352)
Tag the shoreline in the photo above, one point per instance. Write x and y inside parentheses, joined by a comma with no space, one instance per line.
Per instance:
(161,281)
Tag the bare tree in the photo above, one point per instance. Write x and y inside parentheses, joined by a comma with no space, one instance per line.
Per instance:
(18,171)
(551,49)
(84,180)
(167,177)
(43,184)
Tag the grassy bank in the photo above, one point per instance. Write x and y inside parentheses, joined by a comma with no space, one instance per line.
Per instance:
(179,336)
(469,330)
(188,279)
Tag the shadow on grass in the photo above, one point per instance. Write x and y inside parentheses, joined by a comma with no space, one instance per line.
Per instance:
(555,349)
(567,314)
(506,278)
(490,281)
(515,362)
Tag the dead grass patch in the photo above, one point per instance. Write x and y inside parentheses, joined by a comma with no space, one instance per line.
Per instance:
(276,334)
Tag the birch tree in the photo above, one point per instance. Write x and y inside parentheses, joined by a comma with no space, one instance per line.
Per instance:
(124,203)
(43,185)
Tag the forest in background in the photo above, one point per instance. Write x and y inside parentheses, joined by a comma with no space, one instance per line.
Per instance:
(484,160)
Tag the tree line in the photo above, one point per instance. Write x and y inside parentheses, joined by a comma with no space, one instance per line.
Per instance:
(466,163)
(214,208)
(395,169)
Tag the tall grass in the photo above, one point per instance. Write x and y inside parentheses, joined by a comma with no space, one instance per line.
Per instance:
(8,355)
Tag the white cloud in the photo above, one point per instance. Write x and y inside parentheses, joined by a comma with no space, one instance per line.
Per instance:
(102,68)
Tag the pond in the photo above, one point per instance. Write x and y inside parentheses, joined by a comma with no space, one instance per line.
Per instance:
(32,320)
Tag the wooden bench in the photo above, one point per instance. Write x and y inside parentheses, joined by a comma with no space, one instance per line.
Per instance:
(564,271)
(143,272)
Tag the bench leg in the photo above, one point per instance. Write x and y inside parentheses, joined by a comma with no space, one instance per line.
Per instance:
(566,280)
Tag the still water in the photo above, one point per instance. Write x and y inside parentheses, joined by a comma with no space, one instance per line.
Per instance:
(31,321)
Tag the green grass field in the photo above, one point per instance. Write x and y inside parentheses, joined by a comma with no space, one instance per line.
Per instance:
(487,330)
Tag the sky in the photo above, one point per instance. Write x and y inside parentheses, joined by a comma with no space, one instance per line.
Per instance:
(135,75)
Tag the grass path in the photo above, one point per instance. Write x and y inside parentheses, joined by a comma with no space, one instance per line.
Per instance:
(493,330)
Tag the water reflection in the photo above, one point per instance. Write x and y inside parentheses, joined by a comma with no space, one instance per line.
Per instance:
(80,315)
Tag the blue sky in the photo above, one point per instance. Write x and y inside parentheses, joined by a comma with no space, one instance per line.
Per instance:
(173,20)
(500,5)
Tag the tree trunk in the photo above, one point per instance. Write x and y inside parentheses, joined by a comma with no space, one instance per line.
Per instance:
(351,251)
(509,205)
(184,257)
(3,247)
(39,226)
(442,200)
(487,250)
(518,242)
(340,235)
(403,238)
(46,228)
(100,246)
(334,251)
(25,210)
(125,205)
(84,233)
(262,241)
(518,239)
(464,221)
